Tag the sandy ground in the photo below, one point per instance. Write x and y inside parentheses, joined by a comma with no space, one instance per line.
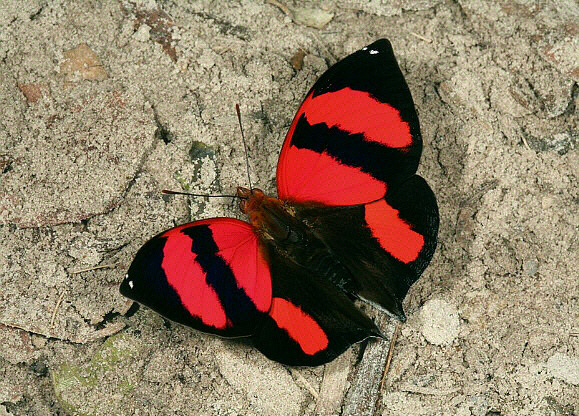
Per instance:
(104,103)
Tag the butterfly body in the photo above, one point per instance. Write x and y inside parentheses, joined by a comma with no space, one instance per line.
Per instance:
(351,221)
(280,229)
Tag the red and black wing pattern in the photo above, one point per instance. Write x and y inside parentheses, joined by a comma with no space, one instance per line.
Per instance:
(348,167)
(355,134)
(386,244)
(210,275)
(311,322)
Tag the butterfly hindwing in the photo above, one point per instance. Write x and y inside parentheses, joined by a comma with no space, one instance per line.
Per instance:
(385,244)
(355,134)
(310,322)
(210,275)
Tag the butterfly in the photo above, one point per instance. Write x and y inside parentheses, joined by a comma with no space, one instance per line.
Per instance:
(352,220)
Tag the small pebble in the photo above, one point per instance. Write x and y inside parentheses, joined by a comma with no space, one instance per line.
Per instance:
(440,323)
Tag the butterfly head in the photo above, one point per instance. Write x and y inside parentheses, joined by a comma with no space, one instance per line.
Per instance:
(251,199)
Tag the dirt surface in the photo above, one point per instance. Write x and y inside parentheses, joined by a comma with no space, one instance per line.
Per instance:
(105,103)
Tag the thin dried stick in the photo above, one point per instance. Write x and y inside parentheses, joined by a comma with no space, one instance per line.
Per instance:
(283,7)
(88,269)
(58,302)
(388,361)
(420,36)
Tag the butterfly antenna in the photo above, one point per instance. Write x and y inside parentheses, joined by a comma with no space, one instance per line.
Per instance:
(167,192)
(244,144)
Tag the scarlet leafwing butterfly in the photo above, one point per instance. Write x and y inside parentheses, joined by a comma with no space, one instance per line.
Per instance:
(352,221)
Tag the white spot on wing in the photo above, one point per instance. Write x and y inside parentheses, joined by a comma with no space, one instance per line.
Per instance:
(365,48)
(126,276)
(373,52)
(131,284)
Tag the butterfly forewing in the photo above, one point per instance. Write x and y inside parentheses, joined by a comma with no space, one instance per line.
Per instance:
(210,275)
(348,165)
(355,134)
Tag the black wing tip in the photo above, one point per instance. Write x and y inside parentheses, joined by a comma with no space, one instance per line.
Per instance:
(382,43)
(124,288)
(135,306)
(401,317)
(383,46)
(376,334)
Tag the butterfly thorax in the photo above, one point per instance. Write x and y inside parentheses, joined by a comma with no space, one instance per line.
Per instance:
(271,217)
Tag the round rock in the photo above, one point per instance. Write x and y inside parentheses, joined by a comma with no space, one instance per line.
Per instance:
(439,321)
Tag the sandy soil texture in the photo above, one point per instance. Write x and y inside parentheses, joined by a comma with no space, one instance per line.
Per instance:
(105,103)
